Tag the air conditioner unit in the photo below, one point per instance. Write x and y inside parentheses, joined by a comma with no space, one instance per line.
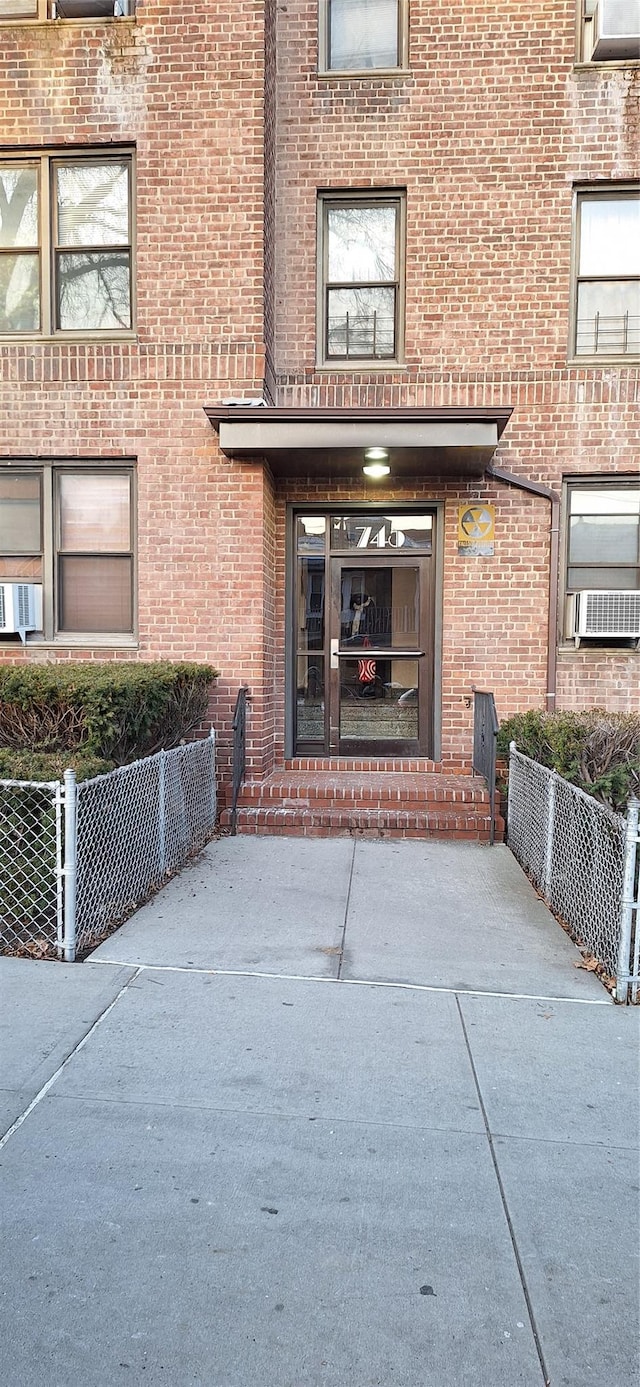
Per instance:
(604,613)
(20,608)
(616,30)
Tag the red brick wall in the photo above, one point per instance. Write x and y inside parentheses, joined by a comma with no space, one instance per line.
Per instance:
(184,84)
(184,87)
(487,135)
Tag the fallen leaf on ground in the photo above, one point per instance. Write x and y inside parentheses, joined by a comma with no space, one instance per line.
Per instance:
(590,964)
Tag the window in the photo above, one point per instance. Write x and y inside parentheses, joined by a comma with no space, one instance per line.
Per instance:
(603,543)
(69,528)
(361,297)
(607,300)
(65,244)
(361,35)
(609,31)
(12,10)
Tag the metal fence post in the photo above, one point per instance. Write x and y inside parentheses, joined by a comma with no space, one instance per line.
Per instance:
(59,801)
(214,795)
(162,812)
(70,869)
(627,904)
(551,818)
(511,793)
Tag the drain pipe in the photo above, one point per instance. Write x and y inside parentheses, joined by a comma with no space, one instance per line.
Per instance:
(510,479)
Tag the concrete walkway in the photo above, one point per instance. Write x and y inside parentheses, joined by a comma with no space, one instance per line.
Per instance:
(324,1112)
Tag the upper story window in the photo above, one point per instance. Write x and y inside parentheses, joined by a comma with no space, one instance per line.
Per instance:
(65,244)
(361,300)
(607,293)
(610,31)
(362,35)
(13,10)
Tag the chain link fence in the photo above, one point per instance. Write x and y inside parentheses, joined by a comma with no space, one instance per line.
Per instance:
(76,860)
(577,852)
(31,915)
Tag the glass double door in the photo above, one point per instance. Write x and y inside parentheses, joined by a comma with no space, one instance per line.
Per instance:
(364,636)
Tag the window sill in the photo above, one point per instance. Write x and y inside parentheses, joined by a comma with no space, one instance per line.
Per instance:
(67,338)
(606,63)
(25,23)
(368,74)
(347,366)
(588,643)
(629,359)
(74,642)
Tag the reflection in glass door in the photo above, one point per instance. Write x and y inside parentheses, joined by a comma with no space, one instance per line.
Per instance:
(310,632)
(364,634)
(379,655)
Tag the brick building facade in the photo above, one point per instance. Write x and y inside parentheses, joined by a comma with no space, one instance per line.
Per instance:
(403,226)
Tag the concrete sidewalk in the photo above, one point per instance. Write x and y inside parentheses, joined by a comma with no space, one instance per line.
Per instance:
(324,1112)
(453,915)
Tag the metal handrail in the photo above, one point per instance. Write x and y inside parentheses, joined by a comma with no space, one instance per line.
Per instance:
(239,751)
(485,732)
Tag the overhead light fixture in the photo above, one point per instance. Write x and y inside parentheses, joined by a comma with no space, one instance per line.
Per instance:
(376,470)
(376,465)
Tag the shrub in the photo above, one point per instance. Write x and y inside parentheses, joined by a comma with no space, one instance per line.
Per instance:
(596,750)
(111,711)
(50,765)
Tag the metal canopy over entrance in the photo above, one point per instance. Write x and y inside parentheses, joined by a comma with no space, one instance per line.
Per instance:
(363,622)
(451,442)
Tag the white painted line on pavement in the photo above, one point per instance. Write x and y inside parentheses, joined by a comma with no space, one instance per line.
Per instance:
(351,982)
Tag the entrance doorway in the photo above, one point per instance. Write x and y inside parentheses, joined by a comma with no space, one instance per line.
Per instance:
(364,633)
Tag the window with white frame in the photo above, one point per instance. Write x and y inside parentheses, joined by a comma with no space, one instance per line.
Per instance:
(15,10)
(607,280)
(609,31)
(65,244)
(603,535)
(68,530)
(362,35)
(360,252)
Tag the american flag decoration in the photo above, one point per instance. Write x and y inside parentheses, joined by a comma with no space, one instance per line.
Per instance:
(366,671)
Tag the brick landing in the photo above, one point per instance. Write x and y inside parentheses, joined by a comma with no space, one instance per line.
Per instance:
(370,802)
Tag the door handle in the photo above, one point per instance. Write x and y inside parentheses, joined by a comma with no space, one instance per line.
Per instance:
(369,652)
(334,661)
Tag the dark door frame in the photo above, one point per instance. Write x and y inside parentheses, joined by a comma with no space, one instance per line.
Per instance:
(368,559)
(338,507)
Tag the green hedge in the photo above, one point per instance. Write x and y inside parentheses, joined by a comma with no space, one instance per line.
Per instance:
(596,750)
(43,765)
(109,712)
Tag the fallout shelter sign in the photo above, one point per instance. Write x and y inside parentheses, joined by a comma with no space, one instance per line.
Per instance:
(476,529)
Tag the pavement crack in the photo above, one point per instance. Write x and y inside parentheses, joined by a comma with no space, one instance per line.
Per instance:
(269,1114)
(346,914)
(505,1205)
(72,1053)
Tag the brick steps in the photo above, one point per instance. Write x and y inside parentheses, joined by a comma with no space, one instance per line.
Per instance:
(383,764)
(374,804)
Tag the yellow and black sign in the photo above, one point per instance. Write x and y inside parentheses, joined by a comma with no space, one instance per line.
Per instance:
(476,529)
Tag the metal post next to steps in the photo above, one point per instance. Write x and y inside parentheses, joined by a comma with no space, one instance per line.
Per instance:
(239,752)
(485,732)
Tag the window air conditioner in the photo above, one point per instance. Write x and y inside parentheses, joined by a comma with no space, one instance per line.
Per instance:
(616,30)
(604,613)
(20,608)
